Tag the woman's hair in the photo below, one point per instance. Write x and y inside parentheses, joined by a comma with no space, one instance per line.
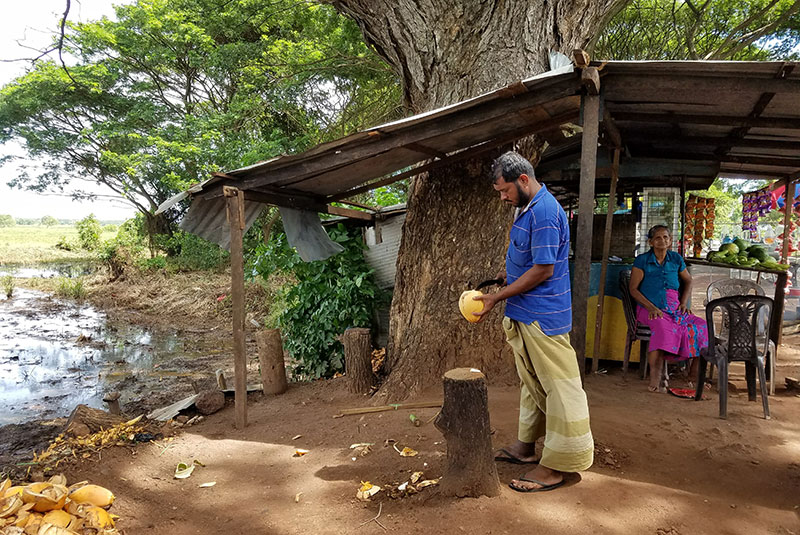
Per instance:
(652,232)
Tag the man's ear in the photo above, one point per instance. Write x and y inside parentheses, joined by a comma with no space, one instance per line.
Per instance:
(523,179)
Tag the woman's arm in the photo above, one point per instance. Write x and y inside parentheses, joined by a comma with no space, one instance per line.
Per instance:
(636,279)
(686,290)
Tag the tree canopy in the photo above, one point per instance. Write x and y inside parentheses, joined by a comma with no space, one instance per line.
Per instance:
(175,89)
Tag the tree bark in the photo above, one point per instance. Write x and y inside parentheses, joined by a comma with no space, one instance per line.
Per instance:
(85,420)
(464,422)
(456,229)
(270,360)
(358,360)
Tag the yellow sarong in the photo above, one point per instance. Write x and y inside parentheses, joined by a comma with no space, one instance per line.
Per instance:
(552,401)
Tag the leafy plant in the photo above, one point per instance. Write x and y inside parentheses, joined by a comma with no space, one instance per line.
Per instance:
(49,221)
(153,264)
(328,297)
(7,220)
(8,285)
(71,288)
(65,244)
(89,231)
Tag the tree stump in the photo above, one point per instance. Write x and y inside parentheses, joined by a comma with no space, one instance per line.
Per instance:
(270,360)
(464,422)
(358,359)
(85,420)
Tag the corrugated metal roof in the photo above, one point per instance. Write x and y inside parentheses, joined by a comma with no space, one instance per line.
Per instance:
(693,118)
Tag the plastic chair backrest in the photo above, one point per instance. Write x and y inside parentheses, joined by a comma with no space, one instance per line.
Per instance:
(730,287)
(627,301)
(744,313)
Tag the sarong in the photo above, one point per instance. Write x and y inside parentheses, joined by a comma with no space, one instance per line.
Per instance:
(680,335)
(552,401)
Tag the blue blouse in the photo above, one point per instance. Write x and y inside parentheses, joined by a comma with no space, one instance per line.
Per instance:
(658,278)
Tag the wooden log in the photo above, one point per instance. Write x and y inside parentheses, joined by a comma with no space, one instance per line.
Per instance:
(270,360)
(235,203)
(112,400)
(464,422)
(222,383)
(601,293)
(580,57)
(590,78)
(583,239)
(358,359)
(85,420)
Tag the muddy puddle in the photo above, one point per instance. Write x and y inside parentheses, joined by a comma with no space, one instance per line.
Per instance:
(55,354)
(48,270)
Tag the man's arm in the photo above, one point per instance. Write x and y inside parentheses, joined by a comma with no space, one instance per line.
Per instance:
(528,281)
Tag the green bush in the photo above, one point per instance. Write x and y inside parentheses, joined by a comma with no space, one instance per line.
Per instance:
(65,245)
(329,297)
(110,228)
(153,264)
(7,282)
(89,231)
(72,288)
(49,221)
(7,221)
(188,252)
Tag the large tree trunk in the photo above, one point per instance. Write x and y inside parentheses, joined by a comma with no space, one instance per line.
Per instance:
(456,229)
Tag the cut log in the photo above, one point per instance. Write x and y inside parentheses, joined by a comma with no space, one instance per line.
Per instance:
(270,360)
(358,359)
(464,422)
(85,420)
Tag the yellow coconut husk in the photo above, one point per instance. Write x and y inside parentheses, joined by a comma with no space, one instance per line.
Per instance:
(4,486)
(93,494)
(98,518)
(58,518)
(51,529)
(74,508)
(13,530)
(59,479)
(10,505)
(79,484)
(45,496)
(32,523)
(10,491)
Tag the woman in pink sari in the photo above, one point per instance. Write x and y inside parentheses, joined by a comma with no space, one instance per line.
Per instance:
(655,284)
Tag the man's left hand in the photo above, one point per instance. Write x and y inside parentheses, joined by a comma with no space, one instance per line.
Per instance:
(489,301)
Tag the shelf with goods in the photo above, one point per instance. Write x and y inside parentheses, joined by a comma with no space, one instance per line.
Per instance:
(700,215)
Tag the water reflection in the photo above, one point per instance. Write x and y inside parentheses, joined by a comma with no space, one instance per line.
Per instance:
(55,355)
(48,270)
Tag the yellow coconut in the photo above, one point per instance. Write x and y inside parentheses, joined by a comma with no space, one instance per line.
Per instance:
(45,496)
(58,518)
(467,305)
(98,518)
(13,490)
(93,494)
(10,505)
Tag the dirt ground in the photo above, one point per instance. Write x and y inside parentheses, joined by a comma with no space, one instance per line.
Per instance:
(664,465)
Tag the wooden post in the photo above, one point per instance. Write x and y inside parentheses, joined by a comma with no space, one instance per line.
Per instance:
(776,329)
(787,219)
(583,240)
(270,360)
(464,422)
(235,204)
(601,294)
(358,359)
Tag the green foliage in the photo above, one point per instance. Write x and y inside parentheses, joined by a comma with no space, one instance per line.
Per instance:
(49,221)
(710,29)
(7,281)
(65,244)
(153,264)
(328,297)
(71,288)
(7,221)
(89,231)
(110,228)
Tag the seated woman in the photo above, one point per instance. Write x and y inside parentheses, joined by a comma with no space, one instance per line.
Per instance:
(655,282)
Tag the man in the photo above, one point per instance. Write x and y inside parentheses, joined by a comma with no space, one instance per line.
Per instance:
(538,318)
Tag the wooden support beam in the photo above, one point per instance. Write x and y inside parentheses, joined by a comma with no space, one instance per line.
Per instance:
(601,294)
(423,149)
(611,129)
(713,141)
(787,219)
(583,239)
(459,156)
(581,58)
(590,79)
(234,199)
(728,158)
(721,120)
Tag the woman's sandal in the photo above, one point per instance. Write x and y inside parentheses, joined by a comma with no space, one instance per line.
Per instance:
(657,389)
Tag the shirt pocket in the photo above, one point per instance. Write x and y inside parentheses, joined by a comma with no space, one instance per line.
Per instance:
(519,252)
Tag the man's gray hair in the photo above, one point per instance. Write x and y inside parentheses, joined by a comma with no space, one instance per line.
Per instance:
(510,166)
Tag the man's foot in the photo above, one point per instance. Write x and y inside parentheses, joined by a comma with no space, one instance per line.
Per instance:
(517,453)
(540,479)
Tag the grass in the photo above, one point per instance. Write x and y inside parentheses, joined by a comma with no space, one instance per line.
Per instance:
(30,244)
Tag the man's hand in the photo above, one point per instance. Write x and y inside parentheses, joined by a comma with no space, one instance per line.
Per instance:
(655,313)
(489,301)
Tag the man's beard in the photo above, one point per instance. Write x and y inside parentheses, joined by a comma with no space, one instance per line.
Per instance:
(523,198)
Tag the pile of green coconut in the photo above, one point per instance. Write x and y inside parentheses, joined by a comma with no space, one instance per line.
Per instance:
(741,253)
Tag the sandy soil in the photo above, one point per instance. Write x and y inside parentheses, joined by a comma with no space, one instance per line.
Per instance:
(664,465)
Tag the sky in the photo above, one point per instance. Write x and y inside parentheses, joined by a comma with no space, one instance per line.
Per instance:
(32,23)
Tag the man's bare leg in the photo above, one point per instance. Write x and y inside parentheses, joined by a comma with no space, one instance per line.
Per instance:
(542,474)
(522,451)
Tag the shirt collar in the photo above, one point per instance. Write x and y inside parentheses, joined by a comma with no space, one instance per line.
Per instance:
(536,198)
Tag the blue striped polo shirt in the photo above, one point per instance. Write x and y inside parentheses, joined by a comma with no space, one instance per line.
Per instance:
(540,235)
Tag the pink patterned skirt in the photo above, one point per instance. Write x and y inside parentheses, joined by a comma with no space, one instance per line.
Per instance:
(680,335)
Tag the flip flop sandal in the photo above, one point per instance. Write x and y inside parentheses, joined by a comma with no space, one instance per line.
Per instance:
(543,488)
(508,457)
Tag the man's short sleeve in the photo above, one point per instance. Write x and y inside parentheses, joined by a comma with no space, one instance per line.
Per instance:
(546,239)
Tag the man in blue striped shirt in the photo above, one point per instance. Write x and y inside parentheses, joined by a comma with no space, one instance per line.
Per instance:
(538,318)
